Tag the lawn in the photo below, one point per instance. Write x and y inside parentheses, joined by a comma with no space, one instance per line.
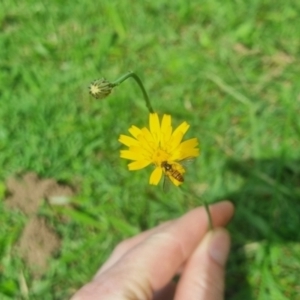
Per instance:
(230,69)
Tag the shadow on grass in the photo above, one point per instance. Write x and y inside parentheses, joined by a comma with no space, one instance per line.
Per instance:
(267,211)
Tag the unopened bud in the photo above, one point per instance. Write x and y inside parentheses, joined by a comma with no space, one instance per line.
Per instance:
(100,88)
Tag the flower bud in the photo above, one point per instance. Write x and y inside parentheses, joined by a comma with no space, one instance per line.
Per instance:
(100,88)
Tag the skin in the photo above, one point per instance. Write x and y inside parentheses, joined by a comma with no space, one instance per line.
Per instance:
(142,267)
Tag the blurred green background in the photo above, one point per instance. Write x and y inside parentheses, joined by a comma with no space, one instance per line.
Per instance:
(228,68)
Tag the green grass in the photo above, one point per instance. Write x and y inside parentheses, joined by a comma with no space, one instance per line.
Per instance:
(230,69)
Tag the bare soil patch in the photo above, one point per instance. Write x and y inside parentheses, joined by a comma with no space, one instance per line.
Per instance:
(38,241)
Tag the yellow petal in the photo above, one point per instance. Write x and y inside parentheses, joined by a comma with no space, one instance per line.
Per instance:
(146,136)
(166,130)
(154,126)
(188,149)
(177,136)
(183,128)
(189,153)
(179,155)
(175,141)
(132,155)
(135,131)
(155,176)
(141,153)
(166,122)
(146,140)
(137,165)
(176,155)
(127,140)
(189,144)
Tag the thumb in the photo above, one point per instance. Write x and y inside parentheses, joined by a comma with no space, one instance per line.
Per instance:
(203,275)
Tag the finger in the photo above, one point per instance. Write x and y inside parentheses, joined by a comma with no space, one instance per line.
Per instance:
(150,265)
(127,245)
(166,293)
(181,237)
(203,276)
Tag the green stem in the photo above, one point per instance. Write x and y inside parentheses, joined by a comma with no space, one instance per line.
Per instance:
(140,84)
(210,224)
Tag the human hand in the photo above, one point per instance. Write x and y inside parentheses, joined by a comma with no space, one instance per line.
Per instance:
(142,267)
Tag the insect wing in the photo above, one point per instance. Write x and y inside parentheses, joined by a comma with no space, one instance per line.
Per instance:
(187,161)
(166,183)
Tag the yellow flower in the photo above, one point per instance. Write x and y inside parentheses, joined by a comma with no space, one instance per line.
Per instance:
(161,146)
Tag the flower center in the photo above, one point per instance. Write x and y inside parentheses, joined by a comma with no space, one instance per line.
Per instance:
(159,156)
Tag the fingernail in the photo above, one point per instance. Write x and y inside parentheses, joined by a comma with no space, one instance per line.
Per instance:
(219,245)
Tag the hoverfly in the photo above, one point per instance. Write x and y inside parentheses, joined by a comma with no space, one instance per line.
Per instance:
(171,171)
(174,171)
